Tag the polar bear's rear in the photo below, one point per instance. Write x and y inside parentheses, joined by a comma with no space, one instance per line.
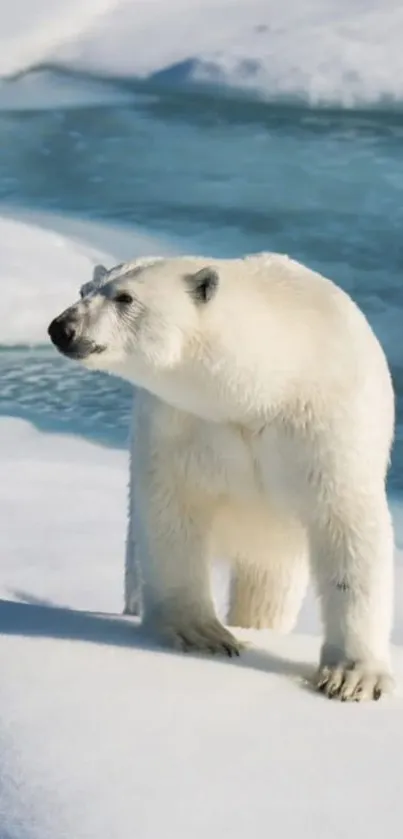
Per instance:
(262,431)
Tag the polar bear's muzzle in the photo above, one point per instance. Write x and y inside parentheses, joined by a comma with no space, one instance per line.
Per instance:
(66,335)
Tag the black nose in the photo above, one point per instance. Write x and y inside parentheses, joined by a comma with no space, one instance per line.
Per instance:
(62,332)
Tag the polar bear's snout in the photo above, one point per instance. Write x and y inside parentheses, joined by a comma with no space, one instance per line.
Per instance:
(68,334)
(63,331)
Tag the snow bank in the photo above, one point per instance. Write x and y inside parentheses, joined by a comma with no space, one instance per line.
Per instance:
(62,518)
(102,736)
(30,28)
(41,269)
(40,274)
(343,53)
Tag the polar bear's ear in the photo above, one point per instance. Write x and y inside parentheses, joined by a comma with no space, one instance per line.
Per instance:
(203,284)
(99,273)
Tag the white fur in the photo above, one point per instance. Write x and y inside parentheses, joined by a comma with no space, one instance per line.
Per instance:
(261,432)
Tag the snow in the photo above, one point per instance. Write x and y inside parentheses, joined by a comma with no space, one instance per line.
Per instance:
(102,735)
(45,259)
(74,476)
(38,279)
(338,52)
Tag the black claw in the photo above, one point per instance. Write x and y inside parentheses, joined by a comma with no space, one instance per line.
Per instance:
(185,645)
(377,694)
(230,650)
(333,691)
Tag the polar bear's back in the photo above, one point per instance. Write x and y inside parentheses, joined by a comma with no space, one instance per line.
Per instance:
(285,282)
(292,331)
(272,302)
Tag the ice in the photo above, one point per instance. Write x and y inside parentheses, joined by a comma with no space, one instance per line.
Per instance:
(45,259)
(80,477)
(40,273)
(345,52)
(29,28)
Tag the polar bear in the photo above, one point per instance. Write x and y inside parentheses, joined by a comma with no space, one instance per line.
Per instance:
(262,432)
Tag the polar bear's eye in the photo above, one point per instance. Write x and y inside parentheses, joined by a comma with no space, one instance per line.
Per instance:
(123,297)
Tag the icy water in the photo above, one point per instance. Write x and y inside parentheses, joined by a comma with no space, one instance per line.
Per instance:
(221,176)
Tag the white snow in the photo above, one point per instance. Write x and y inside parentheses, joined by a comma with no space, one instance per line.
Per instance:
(102,736)
(344,52)
(38,278)
(44,260)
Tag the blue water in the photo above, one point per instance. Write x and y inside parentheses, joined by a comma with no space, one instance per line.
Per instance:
(222,176)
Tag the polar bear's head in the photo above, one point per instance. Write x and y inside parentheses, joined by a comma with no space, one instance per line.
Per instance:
(142,313)
(144,321)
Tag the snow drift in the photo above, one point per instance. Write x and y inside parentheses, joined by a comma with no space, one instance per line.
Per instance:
(45,259)
(345,53)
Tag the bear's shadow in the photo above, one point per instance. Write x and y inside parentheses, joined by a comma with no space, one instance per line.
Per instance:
(37,618)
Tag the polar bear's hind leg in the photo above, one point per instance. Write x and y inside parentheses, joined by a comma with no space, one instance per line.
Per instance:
(270,566)
(267,598)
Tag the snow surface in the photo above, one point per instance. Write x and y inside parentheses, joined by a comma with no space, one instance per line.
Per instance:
(102,736)
(42,268)
(342,52)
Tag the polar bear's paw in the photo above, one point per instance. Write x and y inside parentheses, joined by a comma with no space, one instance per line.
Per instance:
(207,636)
(353,682)
(132,607)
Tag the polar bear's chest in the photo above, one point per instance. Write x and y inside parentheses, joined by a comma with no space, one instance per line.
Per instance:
(253,465)
(222,454)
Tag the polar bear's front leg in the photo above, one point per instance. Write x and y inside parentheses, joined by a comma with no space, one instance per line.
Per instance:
(133,597)
(172,536)
(132,577)
(352,558)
